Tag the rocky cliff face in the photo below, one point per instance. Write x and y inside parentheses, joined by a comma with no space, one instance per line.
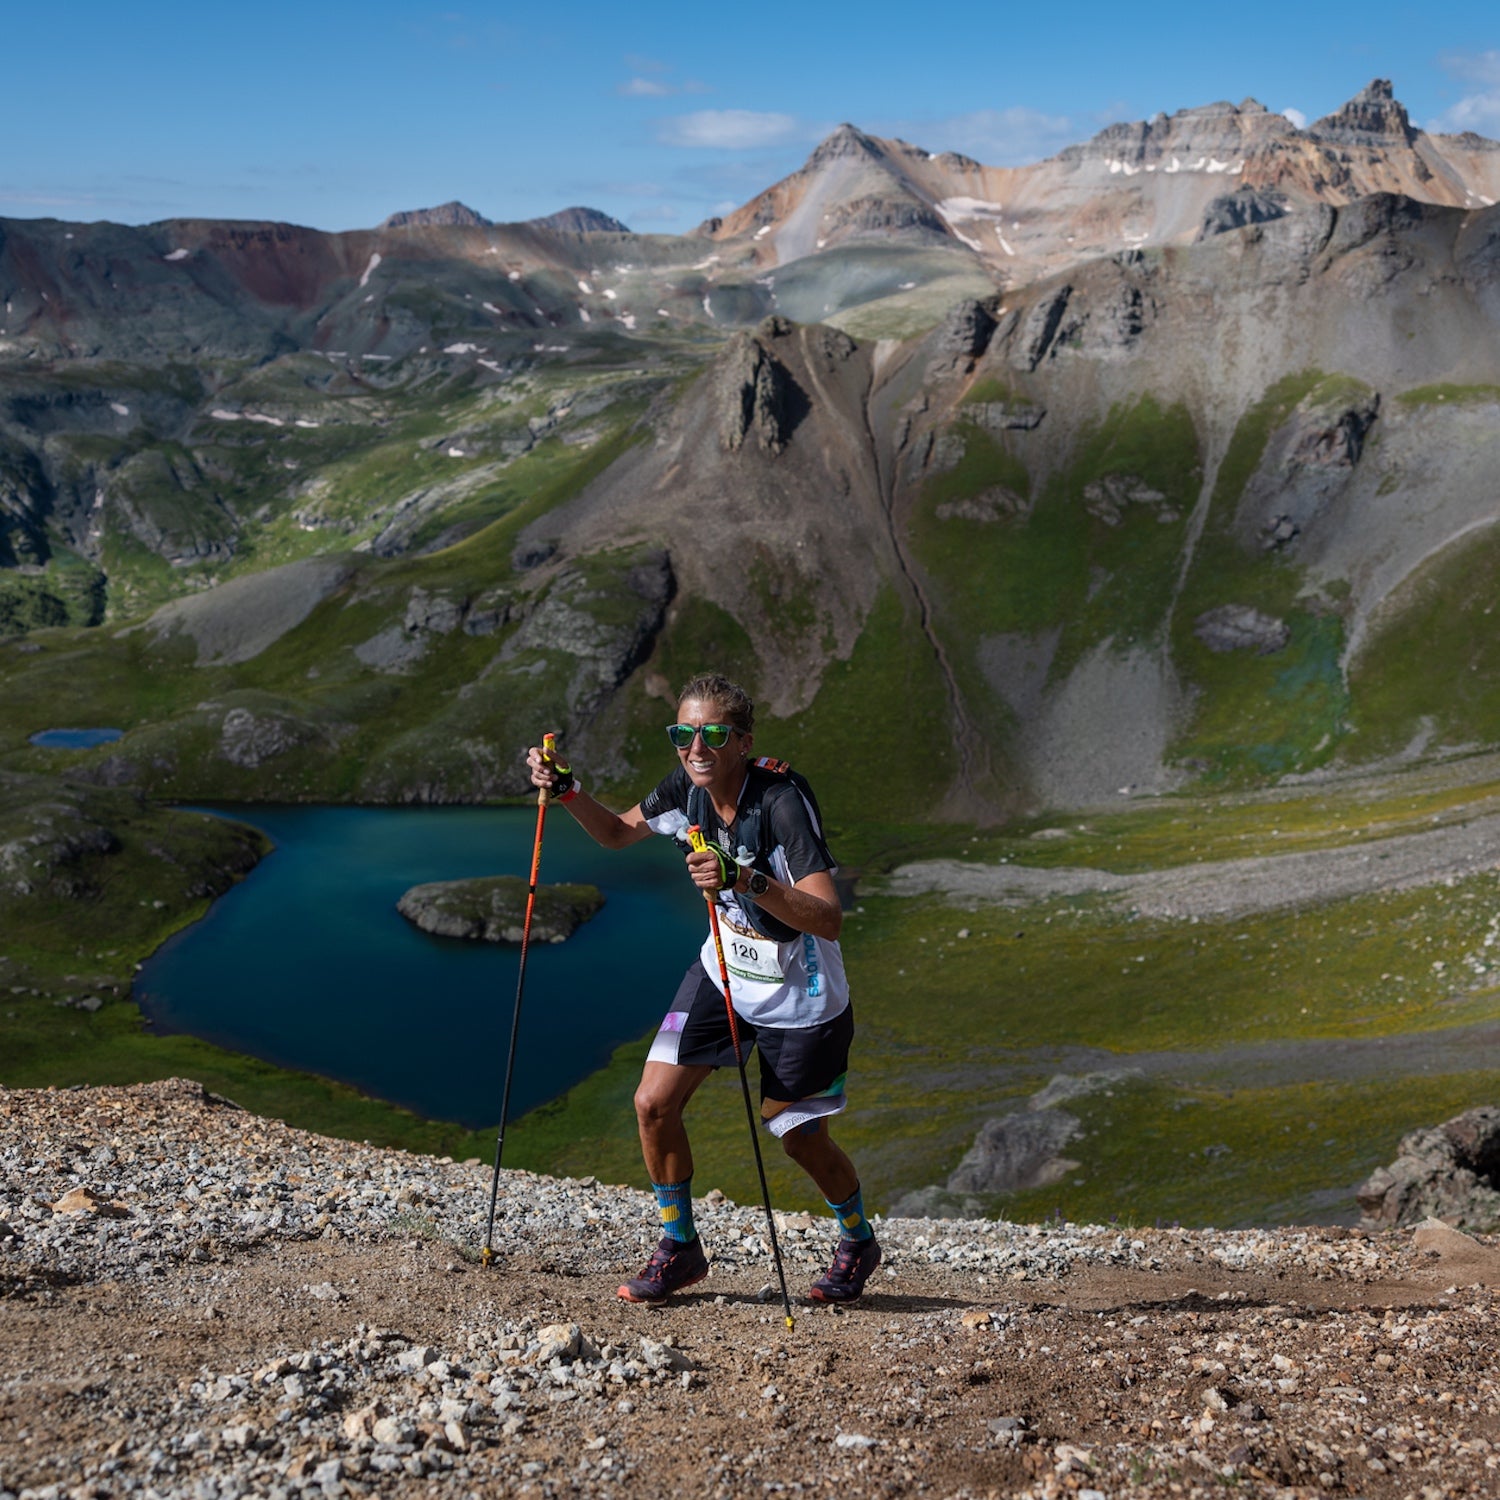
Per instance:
(1238,433)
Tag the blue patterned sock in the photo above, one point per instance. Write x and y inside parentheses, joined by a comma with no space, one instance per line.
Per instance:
(674,1201)
(851,1216)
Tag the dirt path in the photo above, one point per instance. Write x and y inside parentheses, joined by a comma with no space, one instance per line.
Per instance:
(1228,888)
(251,1310)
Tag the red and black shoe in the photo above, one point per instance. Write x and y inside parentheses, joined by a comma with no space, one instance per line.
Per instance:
(853,1263)
(673,1265)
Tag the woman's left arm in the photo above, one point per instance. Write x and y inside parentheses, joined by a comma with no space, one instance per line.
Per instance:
(811,905)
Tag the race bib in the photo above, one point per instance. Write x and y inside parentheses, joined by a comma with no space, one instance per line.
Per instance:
(747,955)
(753,958)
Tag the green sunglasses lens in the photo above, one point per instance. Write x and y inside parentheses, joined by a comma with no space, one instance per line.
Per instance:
(715,736)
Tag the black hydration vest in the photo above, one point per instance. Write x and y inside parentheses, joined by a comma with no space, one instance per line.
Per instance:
(751,835)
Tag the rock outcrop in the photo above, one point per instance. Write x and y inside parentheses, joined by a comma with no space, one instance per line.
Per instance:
(1449,1172)
(1039,329)
(493,909)
(757,395)
(1239,627)
(1246,205)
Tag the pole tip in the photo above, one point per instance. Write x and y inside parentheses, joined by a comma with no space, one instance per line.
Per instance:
(790,1322)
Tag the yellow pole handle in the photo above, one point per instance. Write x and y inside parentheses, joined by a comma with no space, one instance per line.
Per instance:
(549,754)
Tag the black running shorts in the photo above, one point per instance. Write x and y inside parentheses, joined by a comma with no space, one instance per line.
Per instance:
(795,1062)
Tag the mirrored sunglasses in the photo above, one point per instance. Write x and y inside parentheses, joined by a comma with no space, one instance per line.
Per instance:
(715,736)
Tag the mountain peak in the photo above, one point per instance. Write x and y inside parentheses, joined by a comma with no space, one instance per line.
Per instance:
(445,215)
(846,141)
(1373,113)
(579,220)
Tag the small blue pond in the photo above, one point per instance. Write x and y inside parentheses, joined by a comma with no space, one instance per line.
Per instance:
(307,963)
(75,739)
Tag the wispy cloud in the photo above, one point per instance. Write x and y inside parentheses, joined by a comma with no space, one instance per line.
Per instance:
(1478,110)
(1297,117)
(996,137)
(729,129)
(649,80)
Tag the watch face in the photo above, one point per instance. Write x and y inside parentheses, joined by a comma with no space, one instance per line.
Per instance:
(759,884)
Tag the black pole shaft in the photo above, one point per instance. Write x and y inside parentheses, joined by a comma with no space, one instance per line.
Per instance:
(695,836)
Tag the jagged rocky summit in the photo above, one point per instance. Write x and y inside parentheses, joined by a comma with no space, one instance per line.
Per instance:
(452,214)
(492,909)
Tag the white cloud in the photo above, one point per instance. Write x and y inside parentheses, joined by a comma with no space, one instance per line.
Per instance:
(648,80)
(1479,110)
(728,129)
(997,137)
(1296,117)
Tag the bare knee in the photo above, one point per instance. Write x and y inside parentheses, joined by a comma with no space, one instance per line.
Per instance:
(806,1143)
(654,1108)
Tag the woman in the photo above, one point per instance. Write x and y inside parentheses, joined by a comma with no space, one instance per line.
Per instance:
(780,917)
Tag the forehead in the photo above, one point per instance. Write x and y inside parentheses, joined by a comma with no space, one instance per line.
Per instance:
(702,711)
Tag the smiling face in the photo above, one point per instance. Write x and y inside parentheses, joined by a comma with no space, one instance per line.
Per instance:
(719,771)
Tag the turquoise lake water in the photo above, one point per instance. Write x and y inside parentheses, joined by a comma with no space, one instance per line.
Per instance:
(307,963)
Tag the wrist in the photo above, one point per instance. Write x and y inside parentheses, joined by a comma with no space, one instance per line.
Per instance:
(574,787)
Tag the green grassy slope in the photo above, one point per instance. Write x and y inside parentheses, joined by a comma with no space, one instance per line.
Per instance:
(1260,716)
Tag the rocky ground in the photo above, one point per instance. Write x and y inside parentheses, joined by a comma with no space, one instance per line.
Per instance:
(198,1302)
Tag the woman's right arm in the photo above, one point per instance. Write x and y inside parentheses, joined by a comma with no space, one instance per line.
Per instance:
(611,829)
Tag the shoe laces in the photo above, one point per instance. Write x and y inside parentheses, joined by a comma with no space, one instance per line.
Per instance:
(846,1259)
(661,1258)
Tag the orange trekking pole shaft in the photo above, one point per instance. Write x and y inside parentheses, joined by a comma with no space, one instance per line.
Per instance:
(696,841)
(543,797)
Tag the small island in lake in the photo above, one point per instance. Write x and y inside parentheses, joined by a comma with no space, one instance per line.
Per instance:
(492,908)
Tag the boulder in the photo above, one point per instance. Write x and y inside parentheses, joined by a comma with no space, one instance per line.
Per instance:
(1449,1172)
(1238,627)
(1017,1151)
(249,740)
(492,909)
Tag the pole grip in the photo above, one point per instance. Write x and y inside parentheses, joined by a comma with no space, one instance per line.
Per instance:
(549,753)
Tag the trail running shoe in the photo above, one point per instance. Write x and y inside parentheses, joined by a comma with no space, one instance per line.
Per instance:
(672,1266)
(853,1263)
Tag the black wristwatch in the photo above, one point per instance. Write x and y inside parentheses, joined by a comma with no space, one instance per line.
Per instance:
(758,883)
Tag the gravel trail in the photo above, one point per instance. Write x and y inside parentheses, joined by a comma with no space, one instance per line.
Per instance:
(197,1302)
(1226,888)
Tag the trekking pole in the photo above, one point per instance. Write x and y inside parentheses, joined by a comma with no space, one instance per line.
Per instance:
(543,796)
(695,839)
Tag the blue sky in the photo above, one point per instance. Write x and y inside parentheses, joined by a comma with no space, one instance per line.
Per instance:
(336,113)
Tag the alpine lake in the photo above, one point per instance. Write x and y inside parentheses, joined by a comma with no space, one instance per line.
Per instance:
(307,964)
